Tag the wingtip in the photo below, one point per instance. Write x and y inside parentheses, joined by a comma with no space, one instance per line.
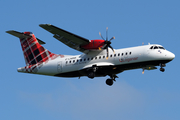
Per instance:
(9,31)
(41,25)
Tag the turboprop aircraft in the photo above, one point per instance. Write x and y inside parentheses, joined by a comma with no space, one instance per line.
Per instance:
(99,59)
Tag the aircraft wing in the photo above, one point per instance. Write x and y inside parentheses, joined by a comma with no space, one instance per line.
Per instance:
(70,39)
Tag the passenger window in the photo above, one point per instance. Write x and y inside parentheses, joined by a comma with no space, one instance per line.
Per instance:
(151,47)
(126,53)
(84,59)
(103,56)
(122,54)
(114,55)
(130,53)
(88,59)
(118,54)
(95,57)
(110,55)
(80,60)
(92,58)
(77,60)
(66,62)
(99,57)
(73,61)
(69,61)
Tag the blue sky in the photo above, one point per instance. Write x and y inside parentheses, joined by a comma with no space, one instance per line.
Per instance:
(154,95)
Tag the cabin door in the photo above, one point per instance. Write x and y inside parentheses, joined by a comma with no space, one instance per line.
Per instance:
(59,66)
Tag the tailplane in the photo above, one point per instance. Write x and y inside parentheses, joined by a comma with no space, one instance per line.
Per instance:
(31,46)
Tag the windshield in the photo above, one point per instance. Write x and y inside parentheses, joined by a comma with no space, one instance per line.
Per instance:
(157,47)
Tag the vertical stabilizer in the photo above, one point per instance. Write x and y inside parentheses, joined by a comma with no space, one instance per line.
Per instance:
(31,46)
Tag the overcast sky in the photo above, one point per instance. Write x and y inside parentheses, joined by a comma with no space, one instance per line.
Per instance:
(151,96)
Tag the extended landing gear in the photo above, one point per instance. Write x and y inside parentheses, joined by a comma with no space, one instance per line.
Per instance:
(162,69)
(91,75)
(111,81)
(92,71)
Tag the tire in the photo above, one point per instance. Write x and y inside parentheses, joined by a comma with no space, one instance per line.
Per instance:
(91,75)
(109,82)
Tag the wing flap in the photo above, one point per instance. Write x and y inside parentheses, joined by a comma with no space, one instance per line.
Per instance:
(70,39)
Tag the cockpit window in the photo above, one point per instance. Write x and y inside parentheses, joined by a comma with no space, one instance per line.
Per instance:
(160,47)
(155,47)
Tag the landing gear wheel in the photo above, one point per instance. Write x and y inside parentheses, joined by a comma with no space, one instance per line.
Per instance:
(162,69)
(91,75)
(109,82)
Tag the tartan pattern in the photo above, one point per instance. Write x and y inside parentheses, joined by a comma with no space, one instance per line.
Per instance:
(33,52)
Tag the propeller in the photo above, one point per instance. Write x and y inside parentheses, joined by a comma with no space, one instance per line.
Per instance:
(107,43)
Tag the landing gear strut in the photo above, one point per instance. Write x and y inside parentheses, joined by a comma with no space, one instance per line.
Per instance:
(111,80)
(162,69)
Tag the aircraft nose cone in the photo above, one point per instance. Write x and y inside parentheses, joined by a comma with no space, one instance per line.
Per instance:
(170,55)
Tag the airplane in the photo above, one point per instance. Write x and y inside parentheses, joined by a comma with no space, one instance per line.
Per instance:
(98,58)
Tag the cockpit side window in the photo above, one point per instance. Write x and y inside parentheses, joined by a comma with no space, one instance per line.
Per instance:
(160,47)
(151,47)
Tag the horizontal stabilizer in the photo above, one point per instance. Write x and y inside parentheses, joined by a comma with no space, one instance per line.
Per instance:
(21,35)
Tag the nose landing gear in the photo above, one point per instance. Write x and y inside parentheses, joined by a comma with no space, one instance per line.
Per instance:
(162,69)
(111,80)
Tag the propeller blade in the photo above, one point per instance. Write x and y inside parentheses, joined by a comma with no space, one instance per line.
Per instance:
(101,35)
(106,33)
(107,53)
(107,43)
(143,71)
(112,48)
(112,38)
(104,46)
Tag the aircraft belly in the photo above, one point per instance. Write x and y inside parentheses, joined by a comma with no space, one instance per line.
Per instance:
(115,69)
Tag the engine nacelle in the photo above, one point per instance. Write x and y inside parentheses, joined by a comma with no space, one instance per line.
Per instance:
(94,44)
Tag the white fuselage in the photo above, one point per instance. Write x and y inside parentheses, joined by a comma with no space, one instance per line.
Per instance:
(122,59)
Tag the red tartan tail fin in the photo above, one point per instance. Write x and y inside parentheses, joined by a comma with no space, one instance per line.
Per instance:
(33,52)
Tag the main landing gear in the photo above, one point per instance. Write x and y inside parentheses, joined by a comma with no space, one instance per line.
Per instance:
(162,69)
(91,72)
(111,80)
